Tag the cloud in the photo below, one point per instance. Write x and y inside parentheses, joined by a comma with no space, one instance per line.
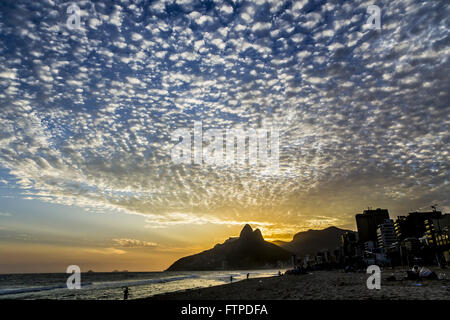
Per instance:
(158,221)
(133,243)
(362,114)
(5,214)
(106,251)
(226,9)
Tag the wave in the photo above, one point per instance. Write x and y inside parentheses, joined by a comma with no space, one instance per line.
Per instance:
(98,285)
(33,289)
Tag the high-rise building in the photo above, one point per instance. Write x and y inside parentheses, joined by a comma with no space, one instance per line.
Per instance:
(413,225)
(437,232)
(368,222)
(349,243)
(401,228)
(386,234)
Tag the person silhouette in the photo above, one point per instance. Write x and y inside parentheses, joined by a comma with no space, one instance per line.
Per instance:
(248,275)
(125,293)
(231,278)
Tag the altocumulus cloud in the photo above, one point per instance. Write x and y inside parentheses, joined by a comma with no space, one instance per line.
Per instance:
(87,114)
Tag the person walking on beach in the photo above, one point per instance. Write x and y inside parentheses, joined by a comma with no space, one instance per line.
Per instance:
(231,278)
(248,275)
(125,293)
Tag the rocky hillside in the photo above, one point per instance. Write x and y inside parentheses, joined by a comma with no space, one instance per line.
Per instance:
(249,251)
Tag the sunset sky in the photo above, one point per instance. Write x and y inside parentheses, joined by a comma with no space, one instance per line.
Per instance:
(86,175)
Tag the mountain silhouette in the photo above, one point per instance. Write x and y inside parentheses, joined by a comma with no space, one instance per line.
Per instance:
(248,251)
(311,241)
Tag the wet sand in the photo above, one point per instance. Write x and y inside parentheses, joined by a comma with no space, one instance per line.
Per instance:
(320,285)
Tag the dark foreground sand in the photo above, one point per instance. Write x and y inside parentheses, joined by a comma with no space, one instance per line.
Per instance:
(320,285)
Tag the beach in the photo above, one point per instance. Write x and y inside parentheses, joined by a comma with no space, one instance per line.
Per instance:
(109,285)
(320,285)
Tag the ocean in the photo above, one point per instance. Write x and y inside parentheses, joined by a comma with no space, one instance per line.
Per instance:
(109,285)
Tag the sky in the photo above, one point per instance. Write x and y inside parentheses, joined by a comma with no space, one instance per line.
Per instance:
(87,117)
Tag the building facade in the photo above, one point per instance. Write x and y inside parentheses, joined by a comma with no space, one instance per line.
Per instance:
(386,236)
(367,224)
(413,225)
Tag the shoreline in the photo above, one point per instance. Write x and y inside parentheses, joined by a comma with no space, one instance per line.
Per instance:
(318,285)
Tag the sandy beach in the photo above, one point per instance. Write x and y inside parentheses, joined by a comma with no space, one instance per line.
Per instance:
(320,285)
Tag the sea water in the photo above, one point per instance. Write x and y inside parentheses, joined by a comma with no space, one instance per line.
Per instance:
(109,285)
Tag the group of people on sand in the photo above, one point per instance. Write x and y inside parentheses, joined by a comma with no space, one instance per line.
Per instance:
(231,277)
(417,273)
(297,270)
(248,276)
